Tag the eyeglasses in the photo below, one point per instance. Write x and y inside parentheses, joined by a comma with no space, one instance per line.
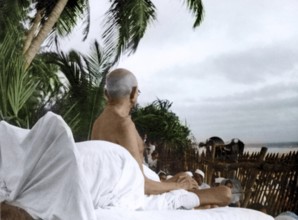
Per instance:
(135,87)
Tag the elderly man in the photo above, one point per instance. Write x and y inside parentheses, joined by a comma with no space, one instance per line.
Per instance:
(115,125)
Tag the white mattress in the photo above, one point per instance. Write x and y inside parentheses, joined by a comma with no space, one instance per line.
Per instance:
(226,213)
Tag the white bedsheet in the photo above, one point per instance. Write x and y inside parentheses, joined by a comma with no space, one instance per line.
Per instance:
(226,213)
(44,172)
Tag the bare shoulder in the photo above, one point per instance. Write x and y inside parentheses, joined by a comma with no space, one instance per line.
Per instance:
(111,127)
(129,138)
(126,128)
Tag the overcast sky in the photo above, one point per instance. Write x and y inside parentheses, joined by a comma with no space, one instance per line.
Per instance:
(235,76)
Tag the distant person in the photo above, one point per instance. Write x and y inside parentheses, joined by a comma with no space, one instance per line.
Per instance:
(169,177)
(218,181)
(235,200)
(153,160)
(115,125)
(162,176)
(199,176)
(189,173)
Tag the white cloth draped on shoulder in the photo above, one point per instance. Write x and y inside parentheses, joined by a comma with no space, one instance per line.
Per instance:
(112,175)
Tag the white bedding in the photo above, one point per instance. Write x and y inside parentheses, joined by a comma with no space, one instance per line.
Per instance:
(44,172)
(112,175)
(40,173)
(226,213)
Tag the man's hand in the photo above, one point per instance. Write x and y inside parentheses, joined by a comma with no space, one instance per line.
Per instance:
(186,182)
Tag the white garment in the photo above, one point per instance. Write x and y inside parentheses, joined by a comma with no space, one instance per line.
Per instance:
(176,199)
(112,175)
(204,186)
(44,172)
(150,174)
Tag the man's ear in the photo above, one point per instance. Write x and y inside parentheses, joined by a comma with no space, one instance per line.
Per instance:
(134,92)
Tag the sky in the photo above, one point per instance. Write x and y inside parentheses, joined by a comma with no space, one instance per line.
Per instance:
(235,76)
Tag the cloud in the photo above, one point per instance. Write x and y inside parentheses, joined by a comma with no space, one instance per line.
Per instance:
(254,64)
(233,76)
(253,116)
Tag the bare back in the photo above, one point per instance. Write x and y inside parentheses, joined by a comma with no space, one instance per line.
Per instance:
(111,126)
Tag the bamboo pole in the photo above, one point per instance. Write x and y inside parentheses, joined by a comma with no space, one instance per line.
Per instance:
(253,177)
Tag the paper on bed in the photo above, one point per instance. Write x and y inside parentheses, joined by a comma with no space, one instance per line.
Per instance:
(39,171)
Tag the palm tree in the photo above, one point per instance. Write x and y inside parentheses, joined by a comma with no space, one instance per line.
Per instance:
(127,21)
(125,24)
(83,97)
(55,15)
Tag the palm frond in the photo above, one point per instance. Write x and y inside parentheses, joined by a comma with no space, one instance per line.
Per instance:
(196,7)
(73,12)
(85,75)
(21,87)
(87,21)
(126,23)
(16,85)
(11,12)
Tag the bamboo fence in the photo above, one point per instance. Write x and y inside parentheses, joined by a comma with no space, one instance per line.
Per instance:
(269,179)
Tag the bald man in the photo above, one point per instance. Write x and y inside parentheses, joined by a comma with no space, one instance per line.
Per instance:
(115,125)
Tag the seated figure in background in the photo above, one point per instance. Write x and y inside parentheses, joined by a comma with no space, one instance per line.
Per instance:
(115,125)
(162,176)
(235,199)
(199,176)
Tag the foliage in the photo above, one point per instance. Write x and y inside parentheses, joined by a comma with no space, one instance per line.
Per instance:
(127,20)
(74,10)
(124,26)
(82,99)
(78,96)
(24,92)
(11,12)
(16,84)
(160,124)
(164,129)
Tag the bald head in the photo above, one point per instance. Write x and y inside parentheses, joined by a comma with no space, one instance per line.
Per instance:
(120,83)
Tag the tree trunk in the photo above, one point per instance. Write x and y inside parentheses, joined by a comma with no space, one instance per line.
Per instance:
(44,32)
(32,31)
